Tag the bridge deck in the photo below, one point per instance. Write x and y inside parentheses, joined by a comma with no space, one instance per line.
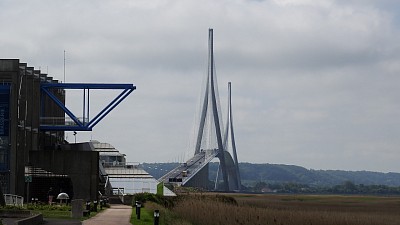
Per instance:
(184,172)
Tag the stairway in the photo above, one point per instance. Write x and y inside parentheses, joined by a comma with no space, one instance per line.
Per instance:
(114,200)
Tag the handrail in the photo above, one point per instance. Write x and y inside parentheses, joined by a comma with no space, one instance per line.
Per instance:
(119,191)
(14,200)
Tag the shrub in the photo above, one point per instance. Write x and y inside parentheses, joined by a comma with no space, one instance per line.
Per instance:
(167,202)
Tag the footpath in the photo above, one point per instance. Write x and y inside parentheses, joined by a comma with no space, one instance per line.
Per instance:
(115,215)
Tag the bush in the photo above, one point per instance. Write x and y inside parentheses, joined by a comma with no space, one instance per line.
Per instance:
(167,202)
(48,207)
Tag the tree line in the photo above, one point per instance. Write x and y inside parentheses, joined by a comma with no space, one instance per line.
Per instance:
(347,187)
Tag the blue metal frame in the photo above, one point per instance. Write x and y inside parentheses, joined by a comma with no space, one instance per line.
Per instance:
(85,125)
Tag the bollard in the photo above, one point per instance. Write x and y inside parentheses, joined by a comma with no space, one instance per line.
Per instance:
(101,204)
(95,205)
(156,216)
(138,206)
(136,203)
(88,207)
(35,200)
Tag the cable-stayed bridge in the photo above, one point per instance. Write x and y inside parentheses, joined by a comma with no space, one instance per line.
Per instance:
(211,140)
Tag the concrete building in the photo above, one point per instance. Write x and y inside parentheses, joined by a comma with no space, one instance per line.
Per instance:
(32,159)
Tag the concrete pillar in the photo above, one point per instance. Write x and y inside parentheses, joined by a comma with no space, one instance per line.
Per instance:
(77,208)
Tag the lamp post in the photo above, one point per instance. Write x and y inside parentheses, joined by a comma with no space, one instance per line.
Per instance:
(75,136)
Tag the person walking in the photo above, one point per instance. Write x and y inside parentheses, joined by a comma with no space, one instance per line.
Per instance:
(50,195)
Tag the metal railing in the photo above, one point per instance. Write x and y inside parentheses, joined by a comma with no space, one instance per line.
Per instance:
(61,121)
(118,191)
(126,165)
(14,200)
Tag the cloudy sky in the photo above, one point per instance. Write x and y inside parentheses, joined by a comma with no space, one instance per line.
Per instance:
(315,83)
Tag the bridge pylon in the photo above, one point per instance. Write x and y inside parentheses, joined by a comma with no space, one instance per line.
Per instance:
(211,141)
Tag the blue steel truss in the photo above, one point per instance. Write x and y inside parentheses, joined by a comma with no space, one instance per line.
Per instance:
(83,125)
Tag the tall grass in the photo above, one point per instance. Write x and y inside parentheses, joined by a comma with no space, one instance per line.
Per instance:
(289,210)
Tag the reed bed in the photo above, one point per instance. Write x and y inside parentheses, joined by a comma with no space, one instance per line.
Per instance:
(288,210)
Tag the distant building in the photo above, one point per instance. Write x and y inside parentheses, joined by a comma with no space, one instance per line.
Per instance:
(109,156)
(124,177)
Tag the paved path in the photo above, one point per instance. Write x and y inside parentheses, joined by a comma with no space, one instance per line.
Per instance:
(116,214)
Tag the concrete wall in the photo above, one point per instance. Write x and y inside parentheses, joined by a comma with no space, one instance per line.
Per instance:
(200,180)
(28,217)
(9,74)
(81,166)
(32,220)
(24,123)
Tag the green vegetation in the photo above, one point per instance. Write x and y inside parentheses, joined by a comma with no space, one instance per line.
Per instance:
(152,202)
(48,211)
(347,187)
(165,201)
(51,211)
(167,217)
(296,179)
(146,217)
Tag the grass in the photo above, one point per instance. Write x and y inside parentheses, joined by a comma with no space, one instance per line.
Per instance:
(51,211)
(146,217)
(55,211)
(167,217)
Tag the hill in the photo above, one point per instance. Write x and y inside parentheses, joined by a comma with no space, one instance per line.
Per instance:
(278,174)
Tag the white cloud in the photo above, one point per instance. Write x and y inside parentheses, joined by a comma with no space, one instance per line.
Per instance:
(314,82)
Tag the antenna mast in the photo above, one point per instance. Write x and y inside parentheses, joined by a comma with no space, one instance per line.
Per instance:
(64,66)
